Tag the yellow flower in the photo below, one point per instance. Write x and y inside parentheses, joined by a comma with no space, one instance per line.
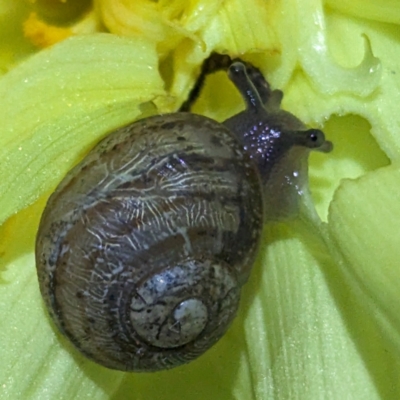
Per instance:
(319,317)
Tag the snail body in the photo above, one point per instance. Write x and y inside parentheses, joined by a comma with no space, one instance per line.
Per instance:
(143,248)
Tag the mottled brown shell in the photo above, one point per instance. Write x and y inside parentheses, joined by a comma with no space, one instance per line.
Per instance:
(143,248)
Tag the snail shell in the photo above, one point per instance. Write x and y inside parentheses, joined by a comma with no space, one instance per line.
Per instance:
(144,246)
(135,246)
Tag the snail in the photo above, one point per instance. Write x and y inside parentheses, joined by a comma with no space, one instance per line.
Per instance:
(143,248)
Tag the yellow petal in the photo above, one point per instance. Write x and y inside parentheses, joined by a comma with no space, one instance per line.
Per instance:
(364,223)
(380,107)
(60,102)
(384,11)
(298,342)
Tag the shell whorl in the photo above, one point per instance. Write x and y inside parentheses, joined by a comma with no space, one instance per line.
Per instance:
(143,248)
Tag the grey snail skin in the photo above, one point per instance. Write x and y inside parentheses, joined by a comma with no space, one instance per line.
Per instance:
(143,248)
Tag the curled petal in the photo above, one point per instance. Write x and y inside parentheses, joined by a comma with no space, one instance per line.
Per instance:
(315,59)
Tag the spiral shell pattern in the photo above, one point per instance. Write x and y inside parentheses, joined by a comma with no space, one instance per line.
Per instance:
(143,248)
